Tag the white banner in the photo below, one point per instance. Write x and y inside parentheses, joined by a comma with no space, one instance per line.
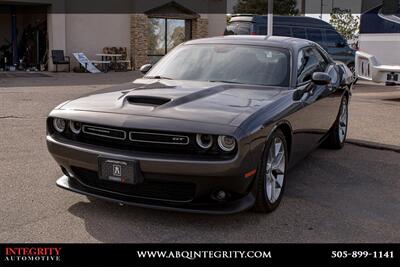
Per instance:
(85,62)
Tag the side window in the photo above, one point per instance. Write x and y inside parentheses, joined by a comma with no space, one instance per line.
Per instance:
(299,33)
(323,63)
(282,31)
(309,61)
(314,35)
(261,29)
(333,38)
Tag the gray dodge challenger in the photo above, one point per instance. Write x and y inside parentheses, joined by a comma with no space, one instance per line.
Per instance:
(213,127)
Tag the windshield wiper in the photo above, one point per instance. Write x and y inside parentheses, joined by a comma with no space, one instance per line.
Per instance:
(221,81)
(158,77)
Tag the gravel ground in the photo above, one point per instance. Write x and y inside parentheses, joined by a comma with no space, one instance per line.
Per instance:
(350,195)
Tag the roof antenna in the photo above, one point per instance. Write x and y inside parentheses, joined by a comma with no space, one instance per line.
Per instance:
(270,17)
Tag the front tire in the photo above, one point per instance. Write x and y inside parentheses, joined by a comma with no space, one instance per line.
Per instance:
(272,173)
(338,133)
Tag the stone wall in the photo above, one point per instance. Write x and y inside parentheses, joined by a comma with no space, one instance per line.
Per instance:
(139,40)
(199,28)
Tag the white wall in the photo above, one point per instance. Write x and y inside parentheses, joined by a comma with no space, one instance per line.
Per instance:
(385,47)
(56,30)
(216,24)
(90,33)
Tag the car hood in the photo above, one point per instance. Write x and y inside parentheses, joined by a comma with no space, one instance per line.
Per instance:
(208,102)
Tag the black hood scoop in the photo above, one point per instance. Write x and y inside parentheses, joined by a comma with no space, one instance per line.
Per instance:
(147,100)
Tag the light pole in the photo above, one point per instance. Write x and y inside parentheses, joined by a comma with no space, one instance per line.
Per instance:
(270,17)
(322,8)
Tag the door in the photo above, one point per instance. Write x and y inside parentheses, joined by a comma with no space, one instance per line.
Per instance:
(312,123)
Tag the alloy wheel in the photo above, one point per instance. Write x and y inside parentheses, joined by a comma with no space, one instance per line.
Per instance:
(275,172)
(353,72)
(343,121)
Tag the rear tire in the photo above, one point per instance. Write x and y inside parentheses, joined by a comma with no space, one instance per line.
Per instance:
(271,176)
(352,68)
(338,133)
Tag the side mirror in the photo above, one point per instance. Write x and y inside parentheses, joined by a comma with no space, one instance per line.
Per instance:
(145,68)
(321,78)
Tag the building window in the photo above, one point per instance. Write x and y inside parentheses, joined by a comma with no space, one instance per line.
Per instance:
(165,34)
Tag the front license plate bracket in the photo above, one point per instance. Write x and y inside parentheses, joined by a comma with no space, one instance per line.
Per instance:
(119,170)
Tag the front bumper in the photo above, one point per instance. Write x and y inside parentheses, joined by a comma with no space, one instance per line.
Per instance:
(235,206)
(207,177)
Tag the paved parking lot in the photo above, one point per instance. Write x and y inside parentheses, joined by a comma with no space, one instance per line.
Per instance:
(352,195)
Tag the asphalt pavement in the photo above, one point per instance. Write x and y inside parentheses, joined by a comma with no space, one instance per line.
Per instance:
(351,195)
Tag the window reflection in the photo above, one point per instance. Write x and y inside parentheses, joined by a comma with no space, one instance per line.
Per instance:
(164,35)
(175,33)
(156,37)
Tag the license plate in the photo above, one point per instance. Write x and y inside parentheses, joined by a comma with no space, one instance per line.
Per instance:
(116,170)
(393,77)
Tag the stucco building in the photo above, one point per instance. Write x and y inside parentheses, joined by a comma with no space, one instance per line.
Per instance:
(148,29)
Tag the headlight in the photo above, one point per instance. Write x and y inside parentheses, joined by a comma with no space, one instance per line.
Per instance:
(226,143)
(204,141)
(75,127)
(59,124)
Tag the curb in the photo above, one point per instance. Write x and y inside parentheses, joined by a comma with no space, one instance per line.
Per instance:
(374,145)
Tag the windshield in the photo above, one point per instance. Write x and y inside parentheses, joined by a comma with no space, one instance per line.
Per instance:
(225,63)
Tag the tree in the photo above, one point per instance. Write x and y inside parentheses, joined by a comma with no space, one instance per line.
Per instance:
(345,23)
(260,7)
(177,37)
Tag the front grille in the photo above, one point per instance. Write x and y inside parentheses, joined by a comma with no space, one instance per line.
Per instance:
(104,132)
(145,141)
(172,191)
(156,138)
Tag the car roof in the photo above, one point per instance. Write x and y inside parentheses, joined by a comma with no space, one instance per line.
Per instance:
(284,20)
(262,40)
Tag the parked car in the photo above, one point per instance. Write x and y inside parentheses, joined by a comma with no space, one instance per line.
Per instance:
(213,127)
(309,28)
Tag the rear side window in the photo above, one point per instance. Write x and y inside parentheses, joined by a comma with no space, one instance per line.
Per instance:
(261,29)
(333,38)
(238,28)
(282,31)
(314,35)
(299,32)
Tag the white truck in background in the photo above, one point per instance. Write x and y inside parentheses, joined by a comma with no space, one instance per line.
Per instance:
(378,58)
(367,67)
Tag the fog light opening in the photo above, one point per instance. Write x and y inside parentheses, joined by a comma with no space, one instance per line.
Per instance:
(220,195)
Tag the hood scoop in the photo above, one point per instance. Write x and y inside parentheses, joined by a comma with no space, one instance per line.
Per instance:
(148,100)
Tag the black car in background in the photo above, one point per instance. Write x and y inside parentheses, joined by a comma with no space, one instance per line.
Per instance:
(312,29)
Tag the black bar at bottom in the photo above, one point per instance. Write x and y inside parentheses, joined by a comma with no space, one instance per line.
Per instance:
(200,254)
